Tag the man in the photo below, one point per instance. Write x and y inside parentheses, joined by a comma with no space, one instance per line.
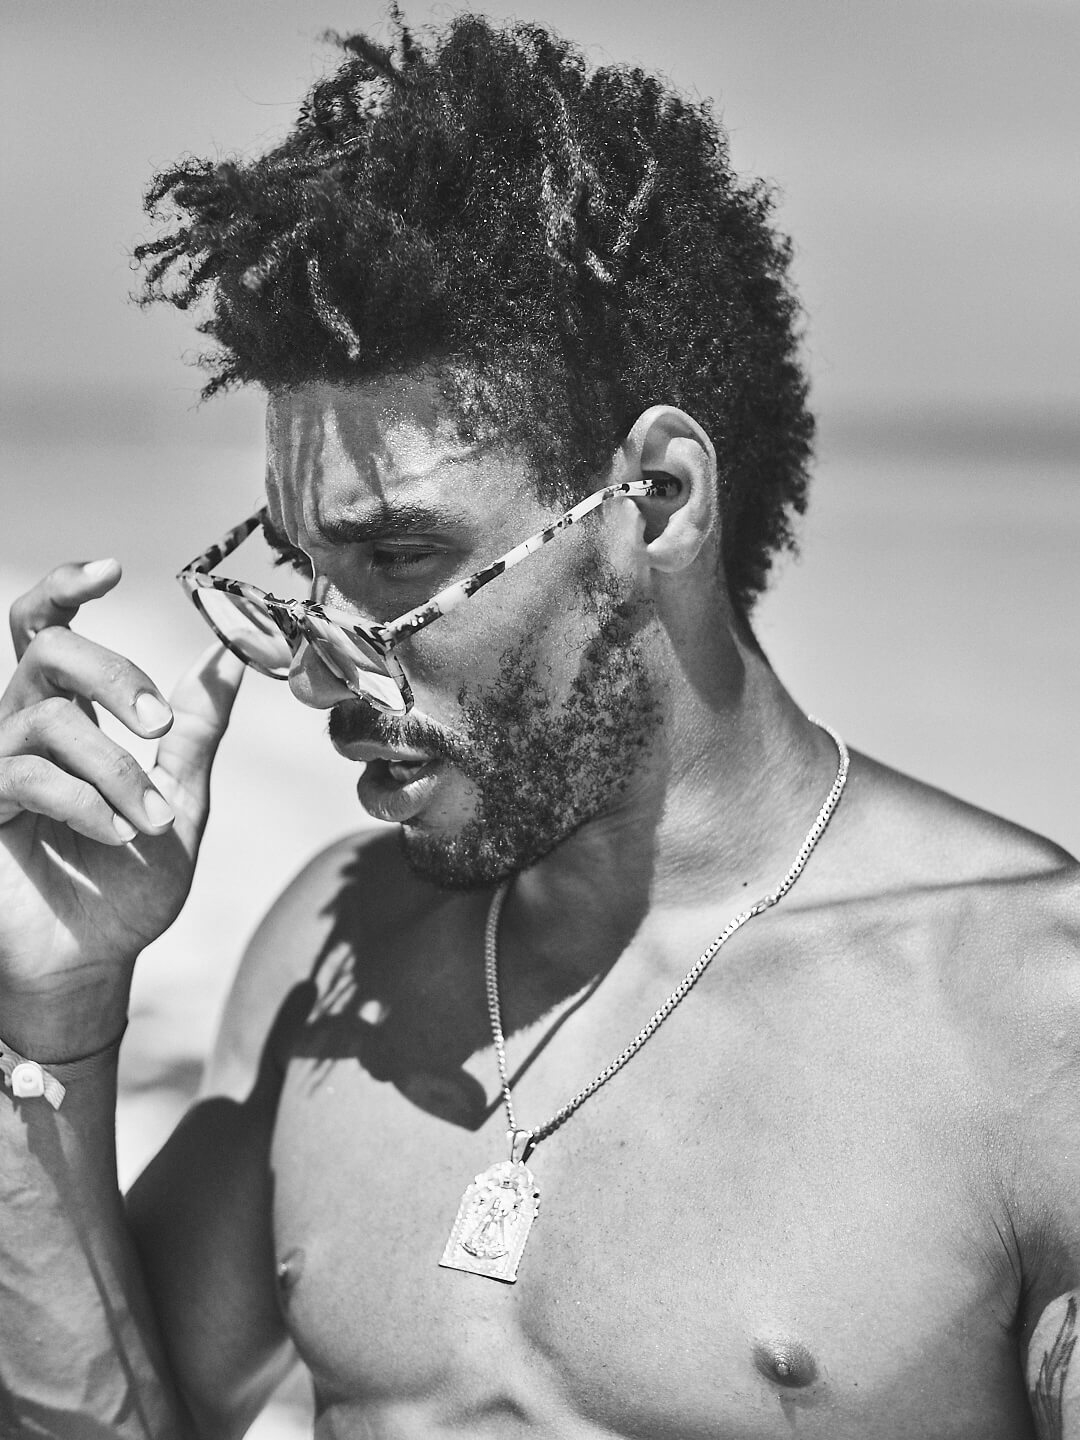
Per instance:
(825,1180)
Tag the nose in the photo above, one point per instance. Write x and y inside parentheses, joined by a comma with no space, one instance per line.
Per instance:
(313,682)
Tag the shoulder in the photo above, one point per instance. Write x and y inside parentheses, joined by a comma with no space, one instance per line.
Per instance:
(993,908)
(996,911)
(915,834)
(973,886)
(360,887)
(988,914)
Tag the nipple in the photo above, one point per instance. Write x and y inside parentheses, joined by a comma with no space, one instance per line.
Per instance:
(290,1268)
(785,1362)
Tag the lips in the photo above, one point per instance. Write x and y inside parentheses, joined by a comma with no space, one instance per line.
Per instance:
(398,777)
(397,790)
(364,751)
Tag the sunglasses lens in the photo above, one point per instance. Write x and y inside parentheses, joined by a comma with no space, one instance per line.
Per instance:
(251,632)
(247,629)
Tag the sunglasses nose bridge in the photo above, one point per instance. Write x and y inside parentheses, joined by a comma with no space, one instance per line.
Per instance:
(288,616)
(341,652)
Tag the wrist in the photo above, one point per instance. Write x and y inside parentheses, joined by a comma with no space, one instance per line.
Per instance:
(31,1079)
(65,1027)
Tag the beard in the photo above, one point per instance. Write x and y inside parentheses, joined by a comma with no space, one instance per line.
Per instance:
(539,767)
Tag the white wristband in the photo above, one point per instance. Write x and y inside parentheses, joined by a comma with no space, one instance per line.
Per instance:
(30,1080)
(26,1079)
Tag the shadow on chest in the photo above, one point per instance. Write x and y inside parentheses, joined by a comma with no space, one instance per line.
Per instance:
(744,1250)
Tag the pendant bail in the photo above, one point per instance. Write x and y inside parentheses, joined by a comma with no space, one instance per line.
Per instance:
(521,1143)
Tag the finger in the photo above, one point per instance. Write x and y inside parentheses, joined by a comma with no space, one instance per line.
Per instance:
(32,785)
(60,662)
(202,703)
(58,731)
(56,599)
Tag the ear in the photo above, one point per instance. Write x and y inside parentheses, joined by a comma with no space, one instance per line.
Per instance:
(669,443)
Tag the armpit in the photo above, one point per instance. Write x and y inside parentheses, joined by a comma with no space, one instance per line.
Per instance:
(1053,1372)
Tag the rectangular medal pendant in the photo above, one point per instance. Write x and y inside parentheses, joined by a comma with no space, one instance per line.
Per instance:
(493,1222)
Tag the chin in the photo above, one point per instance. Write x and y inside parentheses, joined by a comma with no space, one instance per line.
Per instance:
(460,861)
(483,851)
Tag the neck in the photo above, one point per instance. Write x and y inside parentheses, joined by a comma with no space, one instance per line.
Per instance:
(712,820)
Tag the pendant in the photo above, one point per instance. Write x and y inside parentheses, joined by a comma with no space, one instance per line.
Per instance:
(495,1216)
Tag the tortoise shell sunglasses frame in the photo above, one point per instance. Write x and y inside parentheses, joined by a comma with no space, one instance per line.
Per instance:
(369,646)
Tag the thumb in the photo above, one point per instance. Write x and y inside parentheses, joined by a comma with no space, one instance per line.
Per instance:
(202,703)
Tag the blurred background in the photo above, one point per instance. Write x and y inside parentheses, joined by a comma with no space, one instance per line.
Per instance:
(926,155)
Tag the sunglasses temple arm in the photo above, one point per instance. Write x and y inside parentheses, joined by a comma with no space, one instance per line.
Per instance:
(204,563)
(454,595)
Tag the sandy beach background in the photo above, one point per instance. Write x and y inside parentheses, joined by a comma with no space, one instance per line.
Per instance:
(929,179)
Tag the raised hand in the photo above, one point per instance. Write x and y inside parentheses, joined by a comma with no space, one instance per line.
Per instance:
(96,854)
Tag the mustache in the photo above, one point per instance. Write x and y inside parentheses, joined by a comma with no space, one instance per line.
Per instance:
(355,721)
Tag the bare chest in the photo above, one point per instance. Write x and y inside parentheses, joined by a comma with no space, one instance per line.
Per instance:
(763,1221)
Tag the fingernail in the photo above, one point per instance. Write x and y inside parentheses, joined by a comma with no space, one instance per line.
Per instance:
(158,810)
(152,712)
(97,569)
(124,828)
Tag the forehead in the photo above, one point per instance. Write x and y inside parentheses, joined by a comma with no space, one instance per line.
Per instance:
(334,450)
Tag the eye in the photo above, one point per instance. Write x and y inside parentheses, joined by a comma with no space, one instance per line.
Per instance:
(402,561)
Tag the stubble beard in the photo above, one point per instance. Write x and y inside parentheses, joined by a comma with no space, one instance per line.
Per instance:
(540,769)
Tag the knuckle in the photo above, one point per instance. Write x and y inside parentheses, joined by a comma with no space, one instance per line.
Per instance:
(21,773)
(52,713)
(48,644)
(84,800)
(122,766)
(41,606)
(19,613)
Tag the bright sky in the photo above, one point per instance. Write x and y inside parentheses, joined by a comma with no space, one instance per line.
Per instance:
(927,152)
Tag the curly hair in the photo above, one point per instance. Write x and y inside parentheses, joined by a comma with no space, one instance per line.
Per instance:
(565,248)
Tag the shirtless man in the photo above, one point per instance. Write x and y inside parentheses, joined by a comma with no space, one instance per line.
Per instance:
(837,1191)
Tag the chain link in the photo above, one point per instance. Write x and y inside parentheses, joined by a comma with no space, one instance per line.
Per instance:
(685,985)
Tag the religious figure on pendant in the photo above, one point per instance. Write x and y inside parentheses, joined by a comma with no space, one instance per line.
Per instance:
(493,1222)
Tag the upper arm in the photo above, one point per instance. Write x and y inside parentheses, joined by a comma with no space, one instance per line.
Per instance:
(202,1212)
(1053,1379)
(200,1215)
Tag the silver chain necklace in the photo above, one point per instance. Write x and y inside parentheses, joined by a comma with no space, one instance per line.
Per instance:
(499,1207)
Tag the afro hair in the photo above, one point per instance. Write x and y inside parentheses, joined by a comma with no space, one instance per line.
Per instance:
(564,247)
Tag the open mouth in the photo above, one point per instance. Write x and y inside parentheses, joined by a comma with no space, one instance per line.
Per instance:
(397,790)
(405,770)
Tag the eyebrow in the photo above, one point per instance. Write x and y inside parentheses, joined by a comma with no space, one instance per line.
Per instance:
(389,522)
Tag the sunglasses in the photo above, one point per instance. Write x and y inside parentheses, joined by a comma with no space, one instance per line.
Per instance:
(267,632)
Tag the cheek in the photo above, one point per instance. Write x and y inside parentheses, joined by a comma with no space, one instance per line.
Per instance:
(547,626)
(441,661)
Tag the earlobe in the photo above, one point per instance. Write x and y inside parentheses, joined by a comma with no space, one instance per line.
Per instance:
(667,442)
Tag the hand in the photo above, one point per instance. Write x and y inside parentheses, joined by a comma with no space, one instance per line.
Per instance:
(96,855)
